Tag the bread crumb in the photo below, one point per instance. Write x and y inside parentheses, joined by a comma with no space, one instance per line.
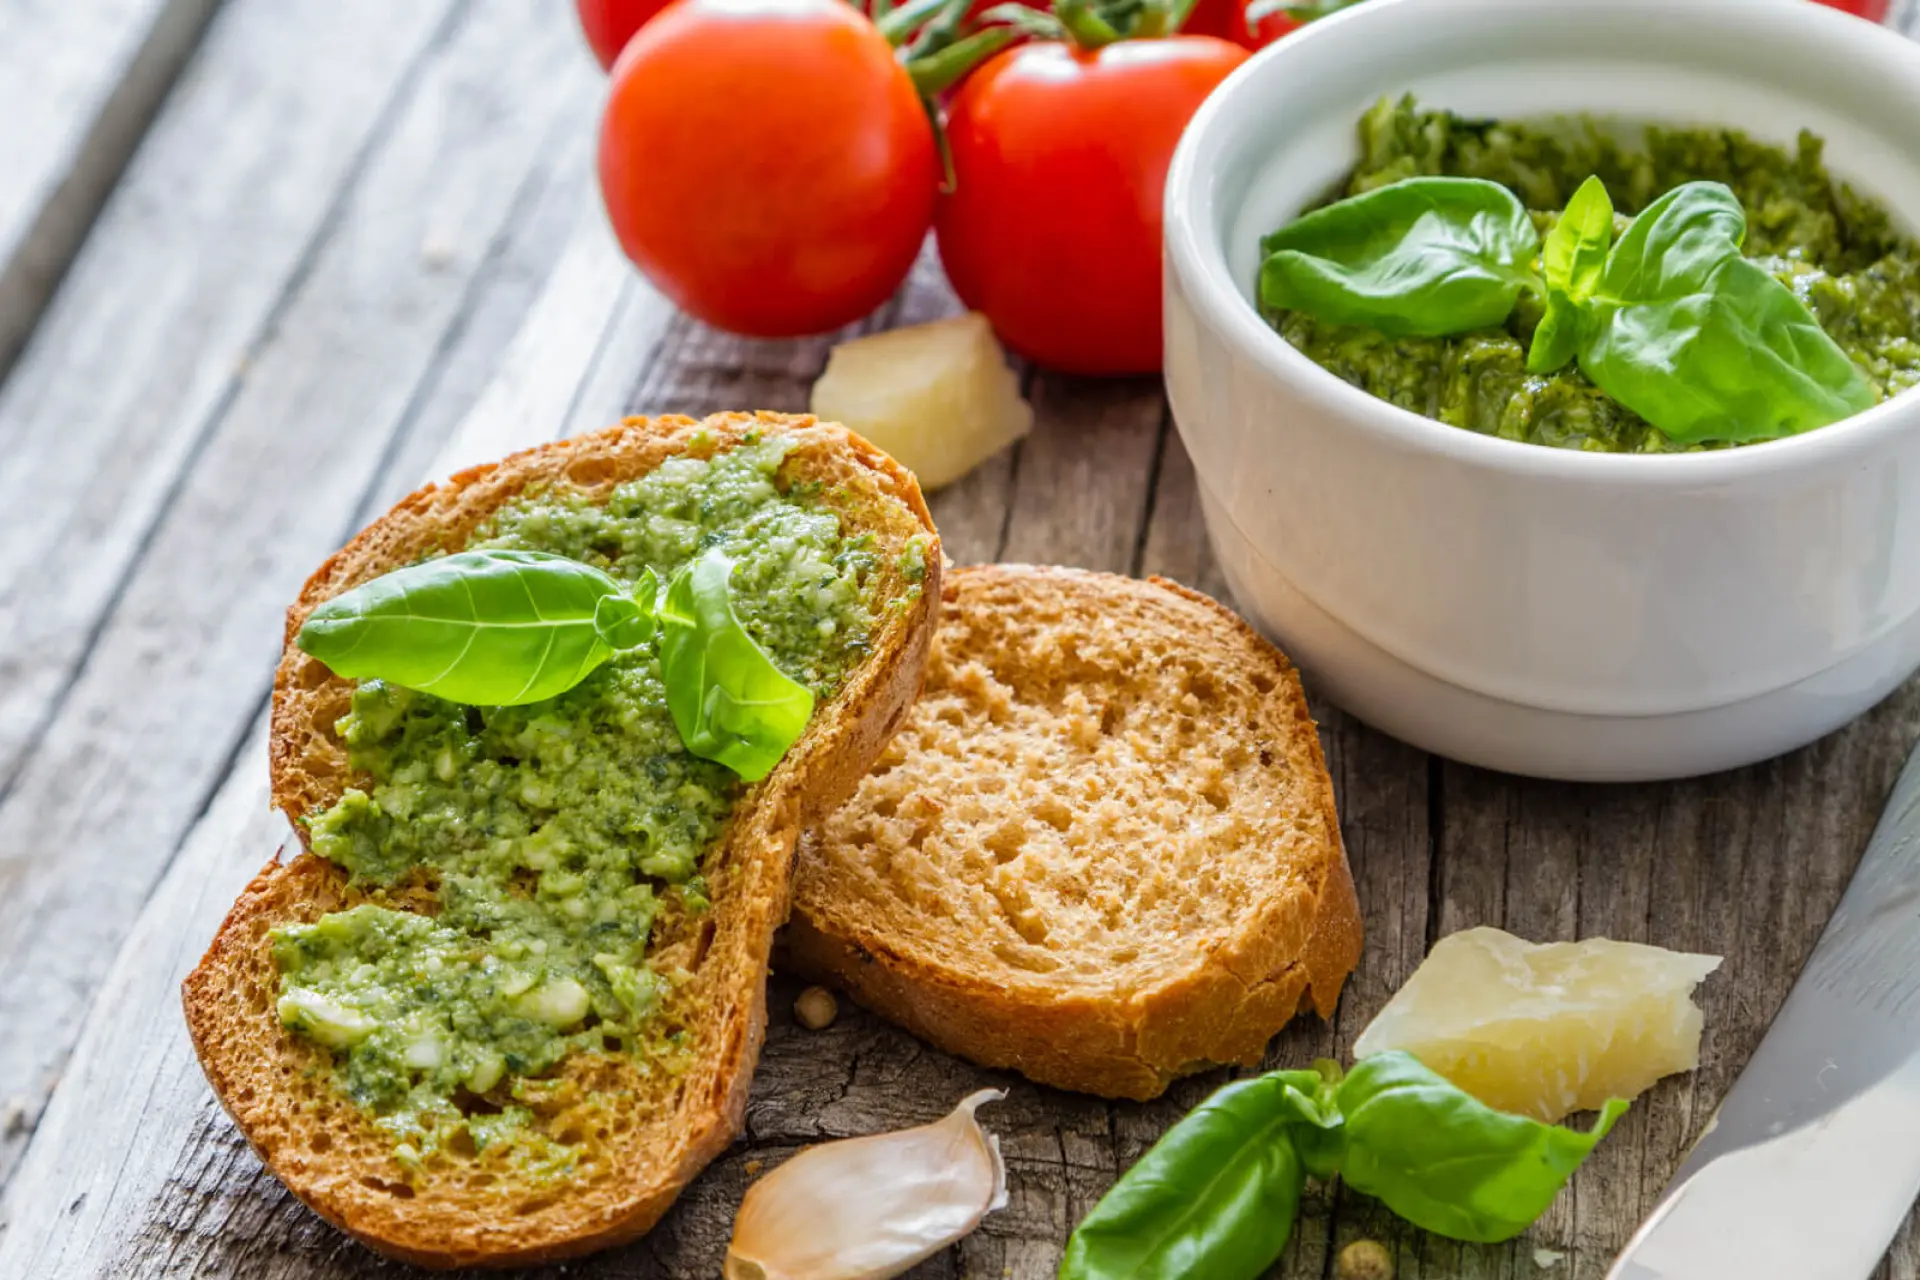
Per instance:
(1363,1260)
(816,1008)
(754,1167)
(1544,1258)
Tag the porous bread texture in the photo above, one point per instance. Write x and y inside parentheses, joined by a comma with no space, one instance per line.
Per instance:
(1102,849)
(643,1130)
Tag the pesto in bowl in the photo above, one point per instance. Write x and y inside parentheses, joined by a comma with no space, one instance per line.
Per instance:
(1838,252)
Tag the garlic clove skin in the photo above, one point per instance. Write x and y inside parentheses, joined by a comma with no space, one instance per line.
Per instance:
(871,1208)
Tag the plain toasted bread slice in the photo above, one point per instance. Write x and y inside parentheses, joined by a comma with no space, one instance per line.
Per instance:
(1101,850)
(641,1136)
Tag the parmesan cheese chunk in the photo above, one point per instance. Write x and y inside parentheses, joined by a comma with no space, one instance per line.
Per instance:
(1546,1029)
(939,397)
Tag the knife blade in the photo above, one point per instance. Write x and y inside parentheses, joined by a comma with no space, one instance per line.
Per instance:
(1812,1160)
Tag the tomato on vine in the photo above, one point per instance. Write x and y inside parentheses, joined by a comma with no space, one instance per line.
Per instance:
(768,164)
(1871,10)
(609,24)
(1060,150)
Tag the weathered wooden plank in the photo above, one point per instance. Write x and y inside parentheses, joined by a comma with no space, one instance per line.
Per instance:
(1081,492)
(157,320)
(971,513)
(146,1175)
(179,666)
(510,322)
(1746,864)
(1382,789)
(79,82)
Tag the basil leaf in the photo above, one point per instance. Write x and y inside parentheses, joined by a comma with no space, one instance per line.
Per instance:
(487,628)
(1572,259)
(1703,343)
(1424,257)
(1575,252)
(729,701)
(1738,359)
(1447,1162)
(1676,243)
(1215,1197)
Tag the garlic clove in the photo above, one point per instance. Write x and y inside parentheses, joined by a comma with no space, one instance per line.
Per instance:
(870,1208)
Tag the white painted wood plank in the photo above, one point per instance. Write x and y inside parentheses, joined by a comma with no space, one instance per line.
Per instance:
(133,1110)
(154,326)
(537,393)
(180,663)
(79,82)
(628,348)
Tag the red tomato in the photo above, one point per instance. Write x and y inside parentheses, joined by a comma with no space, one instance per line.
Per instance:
(1871,10)
(609,24)
(1227,19)
(767,163)
(1053,228)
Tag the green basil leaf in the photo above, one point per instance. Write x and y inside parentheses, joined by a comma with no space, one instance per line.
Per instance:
(1556,340)
(487,628)
(1423,257)
(729,701)
(1572,259)
(1675,244)
(1705,344)
(1215,1197)
(627,621)
(1738,358)
(1574,255)
(1447,1162)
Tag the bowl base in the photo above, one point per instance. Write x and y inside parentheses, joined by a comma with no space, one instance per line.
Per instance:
(1434,715)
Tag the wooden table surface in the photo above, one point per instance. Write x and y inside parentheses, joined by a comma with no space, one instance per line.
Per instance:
(267,265)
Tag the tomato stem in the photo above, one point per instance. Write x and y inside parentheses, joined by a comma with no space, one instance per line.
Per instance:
(897,24)
(1084,24)
(1033,22)
(940,31)
(937,72)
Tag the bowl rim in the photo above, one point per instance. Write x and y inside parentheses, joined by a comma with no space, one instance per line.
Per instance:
(1197,257)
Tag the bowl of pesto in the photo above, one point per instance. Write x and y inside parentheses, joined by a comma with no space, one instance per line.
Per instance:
(1551,373)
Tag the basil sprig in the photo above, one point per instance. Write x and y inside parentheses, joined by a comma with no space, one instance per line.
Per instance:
(1703,343)
(487,628)
(728,700)
(1446,1161)
(1217,1195)
(504,628)
(1572,260)
(1425,257)
(1672,321)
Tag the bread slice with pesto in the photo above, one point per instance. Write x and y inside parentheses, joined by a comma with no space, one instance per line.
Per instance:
(1101,851)
(529,1014)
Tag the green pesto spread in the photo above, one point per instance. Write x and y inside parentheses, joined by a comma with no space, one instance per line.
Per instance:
(1838,251)
(550,836)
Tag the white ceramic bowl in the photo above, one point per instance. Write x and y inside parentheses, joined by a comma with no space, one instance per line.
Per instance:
(1531,609)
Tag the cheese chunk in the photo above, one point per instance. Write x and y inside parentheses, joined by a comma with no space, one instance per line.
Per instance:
(939,397)
(1546,1029)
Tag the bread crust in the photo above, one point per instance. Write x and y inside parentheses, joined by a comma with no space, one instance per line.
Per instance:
(1291,950)
(655,1130)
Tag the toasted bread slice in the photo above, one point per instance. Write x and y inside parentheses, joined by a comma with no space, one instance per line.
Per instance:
(1102,849)
(640,1135)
